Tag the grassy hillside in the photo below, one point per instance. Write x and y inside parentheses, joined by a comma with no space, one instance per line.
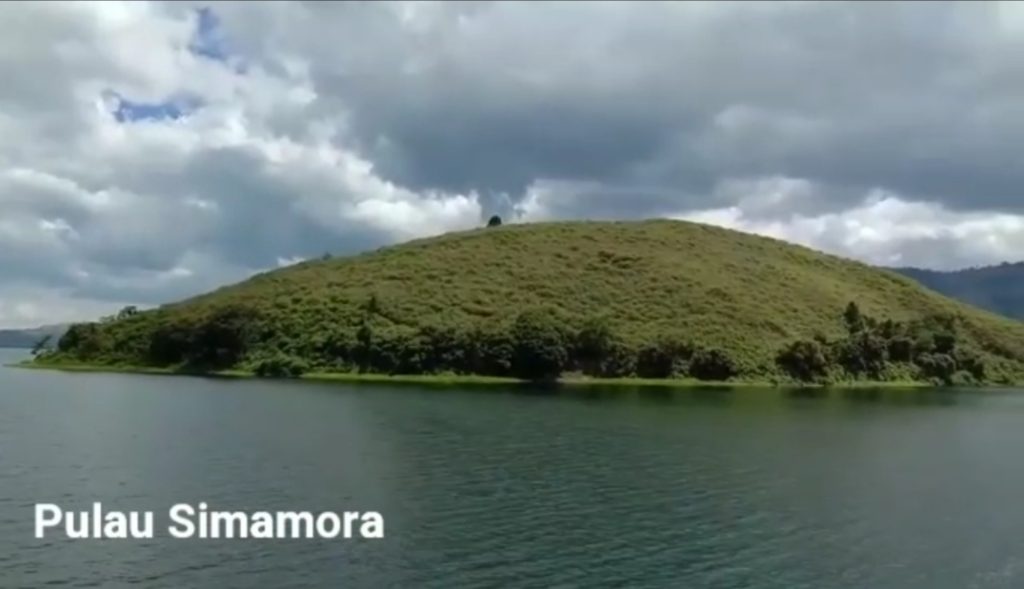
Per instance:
(639,283)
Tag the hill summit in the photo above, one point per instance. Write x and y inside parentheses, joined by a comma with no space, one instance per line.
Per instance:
(617,299)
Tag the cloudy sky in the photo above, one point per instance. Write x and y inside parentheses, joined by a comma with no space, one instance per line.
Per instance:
(152,151)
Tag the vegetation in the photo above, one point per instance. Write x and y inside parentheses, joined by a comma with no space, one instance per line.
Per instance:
(929,350)
(648,300)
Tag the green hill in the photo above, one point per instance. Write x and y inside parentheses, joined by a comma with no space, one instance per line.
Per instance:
(655,299)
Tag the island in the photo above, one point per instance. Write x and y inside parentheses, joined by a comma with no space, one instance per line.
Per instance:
(637,301)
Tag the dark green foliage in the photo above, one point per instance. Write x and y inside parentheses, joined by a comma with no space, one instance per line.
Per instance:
(446,349)
(494,221)
(170,344)
(945,342)
(336,348)
(618,361)
(83,340)
(936,367)
(221,340)
(853,318)
(862,354)
(901,348)
(872,350)
(712,364)
(540,349)
(363,354)
(280,366)
(393,353)
(972,362)
(804,361)
(664,358)
(372,306)
(494,353)
(599,351)
(593,343)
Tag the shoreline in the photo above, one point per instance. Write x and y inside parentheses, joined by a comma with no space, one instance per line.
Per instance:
(470,379)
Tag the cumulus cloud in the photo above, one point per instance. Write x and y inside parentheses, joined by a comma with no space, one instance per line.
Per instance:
(141,162)
(150,151)
(887,230)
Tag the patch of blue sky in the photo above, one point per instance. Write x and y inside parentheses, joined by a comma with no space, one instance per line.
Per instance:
(209,41)
(127,110)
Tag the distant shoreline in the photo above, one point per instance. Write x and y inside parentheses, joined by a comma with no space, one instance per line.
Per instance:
(469,379)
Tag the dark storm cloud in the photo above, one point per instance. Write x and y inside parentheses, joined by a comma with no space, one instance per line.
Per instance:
(917,98)
(880,131)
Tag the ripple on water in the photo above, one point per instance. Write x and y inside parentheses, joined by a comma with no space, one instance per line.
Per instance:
(748,489)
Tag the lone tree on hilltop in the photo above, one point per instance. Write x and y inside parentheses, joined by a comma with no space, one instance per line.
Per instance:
(494,221)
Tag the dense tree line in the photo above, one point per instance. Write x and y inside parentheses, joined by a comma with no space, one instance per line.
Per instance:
(922,350)
(536,344)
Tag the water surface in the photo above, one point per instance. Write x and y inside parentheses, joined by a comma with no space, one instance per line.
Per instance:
(498,488)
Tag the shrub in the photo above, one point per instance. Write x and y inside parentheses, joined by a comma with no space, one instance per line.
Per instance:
(494,352)
(362,355)
(663,358)
(901,349)
(540,350)
(338,347)
(963,378)
(169,344)
(618,361)
(862,354)
(804,361)
(593,342)
(945,342)
(388,351)
(936,367)
(280,366)
(712,364)
(445,348)
(854,320)
(82,340)
(971,362)
(494,221)
(220,339)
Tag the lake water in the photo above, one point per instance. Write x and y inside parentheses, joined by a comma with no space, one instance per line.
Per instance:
(498,488)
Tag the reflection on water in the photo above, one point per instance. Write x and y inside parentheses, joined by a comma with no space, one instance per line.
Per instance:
(510,486)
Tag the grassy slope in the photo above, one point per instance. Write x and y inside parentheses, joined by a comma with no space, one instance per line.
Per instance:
(746,294)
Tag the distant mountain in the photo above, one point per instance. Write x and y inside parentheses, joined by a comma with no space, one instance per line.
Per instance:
(996,288)
(27,338)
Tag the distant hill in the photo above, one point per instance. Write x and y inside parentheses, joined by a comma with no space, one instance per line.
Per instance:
(609,297)
(27,338)
(999,289)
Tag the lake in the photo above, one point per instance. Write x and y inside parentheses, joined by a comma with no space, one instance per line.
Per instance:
(486,487)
